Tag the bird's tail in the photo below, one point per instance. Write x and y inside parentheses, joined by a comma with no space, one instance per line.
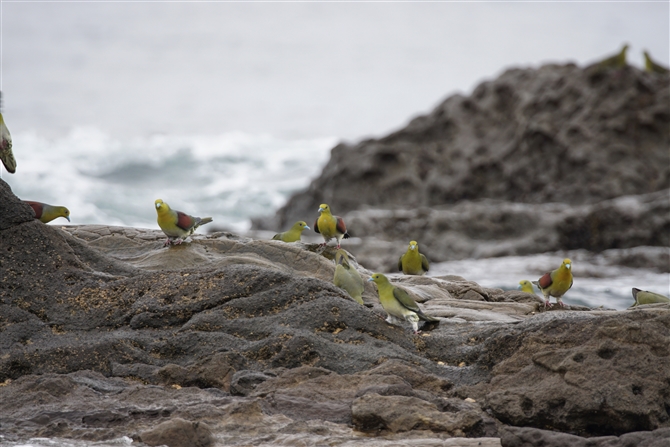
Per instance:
(425,317)
(204,220)
(346,235)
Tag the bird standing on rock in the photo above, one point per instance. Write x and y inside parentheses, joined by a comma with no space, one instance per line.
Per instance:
(616,61)
(6,154)
(292,235)
(176,225)
(330,226)
(652,67)
(646,297)
(413,262)
(46,213)
(347,278)
(556,283)
(398,304)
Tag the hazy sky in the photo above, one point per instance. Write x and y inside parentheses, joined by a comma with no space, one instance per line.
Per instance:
(292,70)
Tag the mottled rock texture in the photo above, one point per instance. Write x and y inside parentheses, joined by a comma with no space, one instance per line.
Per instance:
(530,162)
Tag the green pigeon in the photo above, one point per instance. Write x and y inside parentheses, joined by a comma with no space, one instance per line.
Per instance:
(346,277)
(330,226)
(616,61)
(398,304)
(176,225)
(645,297)
(292,235)
(556,283)
(46,213)
(653,67)
(6,154)
(412,262)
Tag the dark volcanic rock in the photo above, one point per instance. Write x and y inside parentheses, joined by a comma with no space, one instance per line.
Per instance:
(179,433)
(104,333)
(533,437)
(558,133)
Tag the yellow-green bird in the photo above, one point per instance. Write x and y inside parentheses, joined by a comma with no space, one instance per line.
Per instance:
(398,304)
(556,283)
(653,67)
(526,286)
(346,277)
(330,226)
(292,235)
(412,262)
(616,61)
(646,297)
(46,213)
(176,225)
(6,154)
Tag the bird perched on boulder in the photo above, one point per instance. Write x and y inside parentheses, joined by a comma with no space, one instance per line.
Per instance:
(346,277)
(556,283)
(653,67)
(292,235)
(616,61)
(177,225)
(330,226)
(398,304)
(6,154)
(526,286)
(413,262)
(645,297)
(46,213)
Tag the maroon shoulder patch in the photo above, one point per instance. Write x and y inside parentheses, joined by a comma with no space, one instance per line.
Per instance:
(184,221)
(316,225)
(37,208)
(341,227)
(545,281)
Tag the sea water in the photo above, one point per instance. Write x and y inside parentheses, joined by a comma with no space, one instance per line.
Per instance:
(102,180)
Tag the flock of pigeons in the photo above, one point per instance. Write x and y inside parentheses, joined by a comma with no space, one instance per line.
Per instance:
(397,303)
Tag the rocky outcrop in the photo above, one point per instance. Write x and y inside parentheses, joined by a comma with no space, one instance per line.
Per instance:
(250,340)
(530,162)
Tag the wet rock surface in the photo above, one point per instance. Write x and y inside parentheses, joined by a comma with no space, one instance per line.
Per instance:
(227,340)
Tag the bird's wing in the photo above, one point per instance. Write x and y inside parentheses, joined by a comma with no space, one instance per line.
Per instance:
(184,221)
(37,208)
(404,299)
(277,237)
(400,263)
(545,281)
(316,225)
(340,226)
(424,263)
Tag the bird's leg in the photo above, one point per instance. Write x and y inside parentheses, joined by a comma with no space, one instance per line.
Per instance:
(560,303)
(167,242)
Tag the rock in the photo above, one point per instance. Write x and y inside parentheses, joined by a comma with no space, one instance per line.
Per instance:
(488,145)
(179,433)
(531,437)
(375,413)
(12,210)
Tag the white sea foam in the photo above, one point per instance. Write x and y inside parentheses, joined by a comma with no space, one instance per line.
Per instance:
(104,180)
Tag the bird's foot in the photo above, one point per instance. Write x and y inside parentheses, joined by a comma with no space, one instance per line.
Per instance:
(417,332)
(547,304)
(167,242)
(338,246)
(178,241)
(560,303)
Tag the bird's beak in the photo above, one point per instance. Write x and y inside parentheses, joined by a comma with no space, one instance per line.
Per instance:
(68,218)
(370,279)
(158,205)
(320,209)
(412,247)
(568,266)
(307,228)
(519,288)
